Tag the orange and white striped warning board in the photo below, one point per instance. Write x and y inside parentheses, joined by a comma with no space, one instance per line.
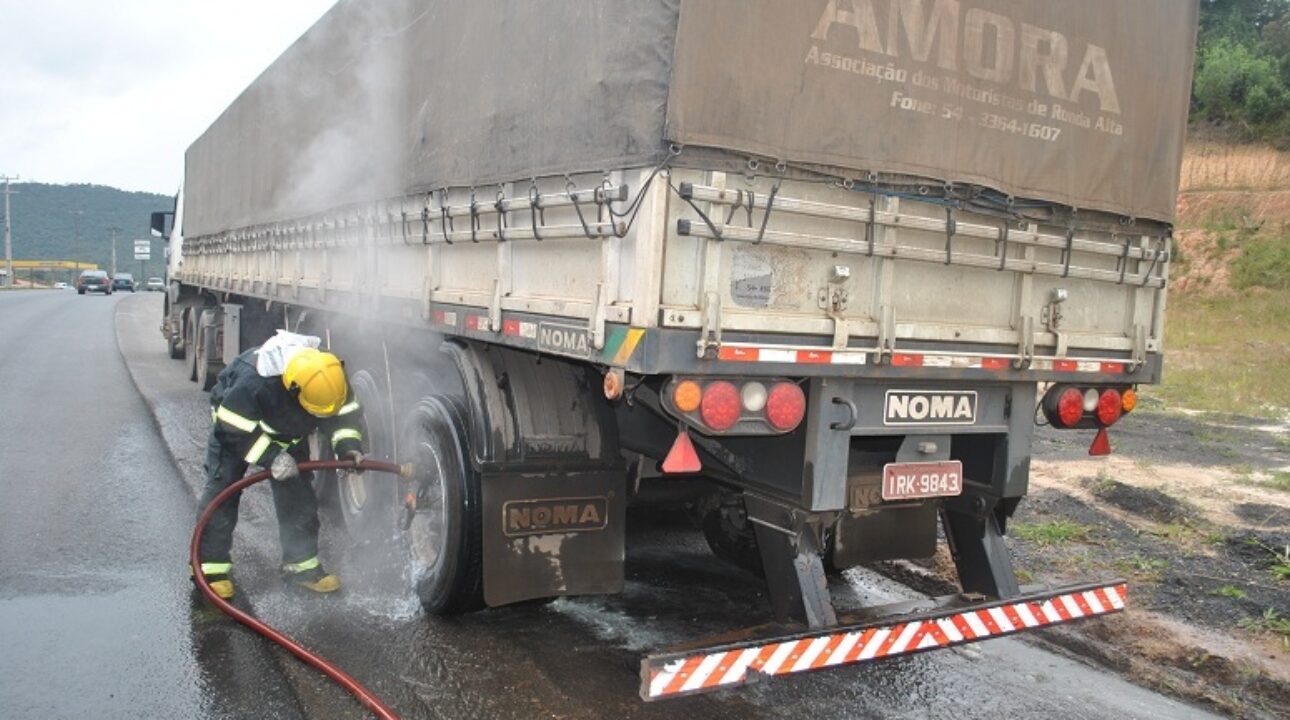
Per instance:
(697,671)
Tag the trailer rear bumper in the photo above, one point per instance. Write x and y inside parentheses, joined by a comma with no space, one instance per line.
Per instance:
(921,626)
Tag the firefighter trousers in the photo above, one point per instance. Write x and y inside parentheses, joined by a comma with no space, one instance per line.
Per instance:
(294,500)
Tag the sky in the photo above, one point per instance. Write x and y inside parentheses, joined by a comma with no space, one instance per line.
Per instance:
(113,93)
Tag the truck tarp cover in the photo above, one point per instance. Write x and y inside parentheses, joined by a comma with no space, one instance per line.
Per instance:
(1080,103)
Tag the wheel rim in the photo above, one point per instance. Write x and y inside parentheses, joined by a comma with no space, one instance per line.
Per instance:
(353,491)
(357,496)
(428,527)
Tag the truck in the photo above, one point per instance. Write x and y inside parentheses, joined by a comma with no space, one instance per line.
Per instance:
(816,269)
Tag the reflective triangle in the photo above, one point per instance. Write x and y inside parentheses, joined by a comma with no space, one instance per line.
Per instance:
(682,458)
(1101,444)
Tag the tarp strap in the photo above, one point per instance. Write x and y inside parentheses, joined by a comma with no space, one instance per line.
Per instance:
(445,220)
(1156,248)
(951,227)
(500,206)
(598,195)
(1001,245)
(572,189)
(474,217)
(1068,252)
(869,231)
(1124,257)
(702,215)
(535,208)
(770,205)
(738,205)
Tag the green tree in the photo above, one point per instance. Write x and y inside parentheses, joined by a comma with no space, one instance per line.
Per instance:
(1243,68)
(1236,83)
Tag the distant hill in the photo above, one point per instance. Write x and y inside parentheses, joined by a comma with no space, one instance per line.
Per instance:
(49,219)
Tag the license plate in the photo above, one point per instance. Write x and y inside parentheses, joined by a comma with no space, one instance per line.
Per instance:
(915,481)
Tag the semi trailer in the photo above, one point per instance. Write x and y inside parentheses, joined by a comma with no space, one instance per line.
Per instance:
(815,268)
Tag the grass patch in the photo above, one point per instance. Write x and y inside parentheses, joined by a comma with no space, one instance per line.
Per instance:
(1278,558)
(1264,262)
(1231,591)
(1271,621)
(1142,567)
(1057,532)
(1176,531)
(1227,354)
(1280,480)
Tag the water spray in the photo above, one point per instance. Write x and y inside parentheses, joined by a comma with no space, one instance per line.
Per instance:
(340,677)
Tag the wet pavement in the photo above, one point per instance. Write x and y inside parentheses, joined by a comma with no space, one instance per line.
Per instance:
(96,616)
(93,597)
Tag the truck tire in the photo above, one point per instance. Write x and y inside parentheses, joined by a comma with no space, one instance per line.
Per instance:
(444,536)
(367,506)
(207,370)
(175,348)
(190,341)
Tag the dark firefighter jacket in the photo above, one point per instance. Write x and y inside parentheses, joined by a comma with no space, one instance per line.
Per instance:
(257,418)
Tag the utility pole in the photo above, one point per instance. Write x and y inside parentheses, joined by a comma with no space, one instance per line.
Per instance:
(114,231)
(8,232)
(76,243)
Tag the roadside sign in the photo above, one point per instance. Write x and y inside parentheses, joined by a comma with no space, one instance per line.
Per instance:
(142,256)
(143,246)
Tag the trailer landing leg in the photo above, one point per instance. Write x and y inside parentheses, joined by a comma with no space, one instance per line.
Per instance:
(790,557)
(980,555)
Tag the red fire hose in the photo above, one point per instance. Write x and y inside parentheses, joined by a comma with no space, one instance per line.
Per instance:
(356,689)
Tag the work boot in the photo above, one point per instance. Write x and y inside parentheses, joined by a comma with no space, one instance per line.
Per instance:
(217,578)
(311,577)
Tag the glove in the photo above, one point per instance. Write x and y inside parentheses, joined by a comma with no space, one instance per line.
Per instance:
(357,457)
(284,467)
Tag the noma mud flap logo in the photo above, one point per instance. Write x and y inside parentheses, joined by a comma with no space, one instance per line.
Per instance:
(562,515)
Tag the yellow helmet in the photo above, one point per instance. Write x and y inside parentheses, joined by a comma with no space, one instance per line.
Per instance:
(318,378)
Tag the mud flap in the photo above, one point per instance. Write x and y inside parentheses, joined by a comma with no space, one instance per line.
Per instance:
(552,534)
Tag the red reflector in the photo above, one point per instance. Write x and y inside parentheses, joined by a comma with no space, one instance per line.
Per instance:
(1065,366)
(682,458)
(1109,408)
(814,357)
(721,406)
(1070,407)
(996,363)
(786,406)
(1101,444)
(738,354)
(904,360)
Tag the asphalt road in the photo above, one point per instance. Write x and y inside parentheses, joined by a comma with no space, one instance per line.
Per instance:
(97,616)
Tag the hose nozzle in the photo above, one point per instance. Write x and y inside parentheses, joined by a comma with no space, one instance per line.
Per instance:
(407,470)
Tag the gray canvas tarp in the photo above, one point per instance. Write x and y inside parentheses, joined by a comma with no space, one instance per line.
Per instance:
(1083,104)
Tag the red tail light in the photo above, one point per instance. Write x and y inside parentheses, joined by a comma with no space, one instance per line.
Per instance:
(1109,407)
(786,406)
(1070,407)
(721,406)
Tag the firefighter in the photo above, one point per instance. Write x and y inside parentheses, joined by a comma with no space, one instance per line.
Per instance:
(263,406)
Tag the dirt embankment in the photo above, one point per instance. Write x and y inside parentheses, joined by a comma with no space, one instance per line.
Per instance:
(1229,194)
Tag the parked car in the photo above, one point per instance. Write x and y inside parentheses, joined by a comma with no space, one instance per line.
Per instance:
(155,285)
(61,286)
(94,281)
(123,281)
